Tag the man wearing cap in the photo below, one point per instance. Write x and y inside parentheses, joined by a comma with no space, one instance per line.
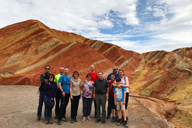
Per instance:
(115,71)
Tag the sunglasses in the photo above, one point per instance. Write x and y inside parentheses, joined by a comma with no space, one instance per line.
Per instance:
(50,77)
(47,68)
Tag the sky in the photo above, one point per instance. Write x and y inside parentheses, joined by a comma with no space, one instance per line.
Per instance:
(137,25)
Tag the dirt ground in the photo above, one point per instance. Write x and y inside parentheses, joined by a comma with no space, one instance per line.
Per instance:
(18,109)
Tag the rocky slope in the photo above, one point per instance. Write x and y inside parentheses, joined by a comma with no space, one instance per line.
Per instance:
(26,47)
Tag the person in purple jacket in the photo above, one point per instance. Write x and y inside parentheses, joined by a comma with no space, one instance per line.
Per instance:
(50,91)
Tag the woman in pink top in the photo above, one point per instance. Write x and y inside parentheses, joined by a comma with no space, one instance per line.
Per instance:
(87,88)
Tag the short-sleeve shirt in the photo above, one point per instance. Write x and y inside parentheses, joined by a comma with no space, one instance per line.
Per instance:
(119,94)
(116,76)
(111,91)
(75,86)
(65,83)
(94,76)
(101,86)
(88,89)
(123,82)
(57,79)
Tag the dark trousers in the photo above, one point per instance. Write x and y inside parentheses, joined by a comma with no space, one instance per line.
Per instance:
(87,103)
(95,108)
(47,112)
(111,105)
(58,102)
(74,106)
(108,109)
(101,101)
(64,103)
(39,110)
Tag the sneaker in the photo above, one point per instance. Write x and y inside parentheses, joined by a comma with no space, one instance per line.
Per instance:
(59,122)
(50,120)
(38,118)
(72,120)
(113,119)
(97,120)
(108,117)
(125,124)
(75,120)
(118,122)
(64,119)
(46,120)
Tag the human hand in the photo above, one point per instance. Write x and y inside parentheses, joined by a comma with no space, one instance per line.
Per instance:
(107,97)
(115,103)
(63,94)
(71,97)
(123,102)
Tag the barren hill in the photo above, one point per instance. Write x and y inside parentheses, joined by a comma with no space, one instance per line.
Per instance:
(26,47)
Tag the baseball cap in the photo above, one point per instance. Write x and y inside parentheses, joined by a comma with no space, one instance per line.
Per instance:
(115,68)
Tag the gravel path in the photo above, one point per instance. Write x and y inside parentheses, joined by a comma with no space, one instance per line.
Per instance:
(18,109)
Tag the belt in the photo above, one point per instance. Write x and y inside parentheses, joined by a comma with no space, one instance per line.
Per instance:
(100,93)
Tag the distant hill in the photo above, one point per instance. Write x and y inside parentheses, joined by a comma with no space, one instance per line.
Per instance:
(26,47)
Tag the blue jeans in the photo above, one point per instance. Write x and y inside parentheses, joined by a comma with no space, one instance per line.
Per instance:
(47,113)
(87,103)
(39,110)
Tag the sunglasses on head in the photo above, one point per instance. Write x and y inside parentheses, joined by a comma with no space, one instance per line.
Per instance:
(47,68)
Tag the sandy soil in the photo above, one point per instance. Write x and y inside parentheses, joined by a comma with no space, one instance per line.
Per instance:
(18,109)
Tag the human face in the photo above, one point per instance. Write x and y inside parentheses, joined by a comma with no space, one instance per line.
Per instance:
(118,82)
(88,78)
(100,76)
(112,77)
(75,75)
(66,71)
(114,71)
(50,78)
(61,70)
(121,73)
(92,68)
(47,69)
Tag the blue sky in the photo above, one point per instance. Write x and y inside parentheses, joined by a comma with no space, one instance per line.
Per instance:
(138,25)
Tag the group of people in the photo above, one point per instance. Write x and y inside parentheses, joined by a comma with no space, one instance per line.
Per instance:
(95,87)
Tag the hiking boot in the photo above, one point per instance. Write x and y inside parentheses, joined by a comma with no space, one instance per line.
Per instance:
(97,120)
(113,119)
(59,122)
(47,120)
(38,118)
(125,124)
(72,120)
(50,120)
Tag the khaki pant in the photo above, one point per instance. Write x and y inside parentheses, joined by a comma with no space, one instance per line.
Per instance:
(120,106)
(100,101)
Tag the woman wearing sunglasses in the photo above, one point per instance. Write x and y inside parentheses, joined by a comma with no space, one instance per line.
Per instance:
(50,91)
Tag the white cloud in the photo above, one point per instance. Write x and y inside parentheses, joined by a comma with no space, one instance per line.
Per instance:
(169,25)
